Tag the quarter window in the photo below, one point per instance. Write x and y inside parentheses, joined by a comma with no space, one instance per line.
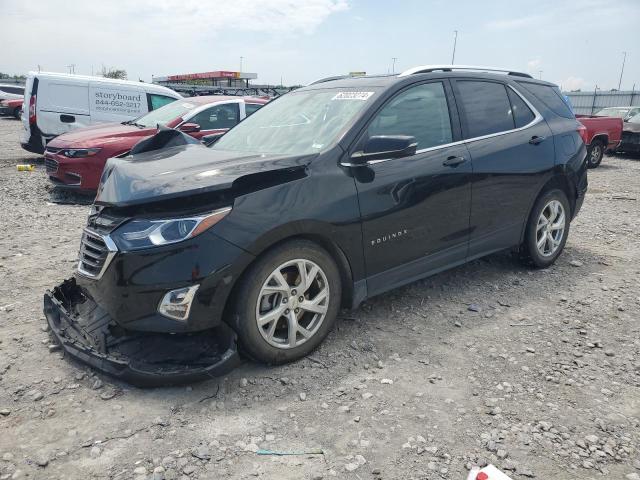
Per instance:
(486,107)
(522,114)
(217,117)
(420,112)
(551,97)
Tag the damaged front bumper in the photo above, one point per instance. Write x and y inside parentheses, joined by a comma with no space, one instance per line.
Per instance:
(88,333)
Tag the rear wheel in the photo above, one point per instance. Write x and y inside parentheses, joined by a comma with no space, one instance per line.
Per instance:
(595,153)
(287,302)
(547,229)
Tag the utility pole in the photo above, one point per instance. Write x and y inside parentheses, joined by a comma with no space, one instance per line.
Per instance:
(624,58)
(241,58)
(455,41)
(72,68)
(540,74)
(393,66)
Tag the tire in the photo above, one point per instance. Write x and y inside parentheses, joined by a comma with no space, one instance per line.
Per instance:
(271,342)
(595,153)
(17,112)
(552,246)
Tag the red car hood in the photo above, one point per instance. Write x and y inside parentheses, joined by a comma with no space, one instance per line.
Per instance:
(98,135)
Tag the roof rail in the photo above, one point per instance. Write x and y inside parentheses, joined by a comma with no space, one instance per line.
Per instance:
(328,79)
(449,68)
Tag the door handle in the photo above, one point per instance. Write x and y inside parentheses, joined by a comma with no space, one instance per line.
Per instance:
(453,161)
(67,118)
(535,140)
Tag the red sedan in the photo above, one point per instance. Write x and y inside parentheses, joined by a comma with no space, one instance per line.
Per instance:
(75,160)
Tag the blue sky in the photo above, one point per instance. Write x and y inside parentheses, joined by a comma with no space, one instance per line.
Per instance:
(576,44)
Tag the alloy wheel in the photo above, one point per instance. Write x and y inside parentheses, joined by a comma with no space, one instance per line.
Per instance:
(292,303)
(596,153)
(550,228)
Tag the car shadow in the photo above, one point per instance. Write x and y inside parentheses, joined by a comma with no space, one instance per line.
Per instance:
(69,197)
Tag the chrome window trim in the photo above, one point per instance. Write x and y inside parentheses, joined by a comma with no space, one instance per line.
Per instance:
(111,248)
(536,119)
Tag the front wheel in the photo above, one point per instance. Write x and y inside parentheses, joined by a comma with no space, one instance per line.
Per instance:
(287,302)
(595,153)
(547,229)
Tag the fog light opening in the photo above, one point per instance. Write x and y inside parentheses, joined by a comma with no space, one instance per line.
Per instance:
(176,304)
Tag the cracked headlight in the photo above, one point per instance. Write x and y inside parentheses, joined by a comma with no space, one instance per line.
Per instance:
(145,233)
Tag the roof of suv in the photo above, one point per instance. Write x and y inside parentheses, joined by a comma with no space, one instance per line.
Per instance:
(424,71)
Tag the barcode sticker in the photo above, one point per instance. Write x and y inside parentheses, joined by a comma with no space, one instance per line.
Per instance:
(352,96)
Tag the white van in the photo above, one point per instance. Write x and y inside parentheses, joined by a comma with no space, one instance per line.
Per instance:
(56,103)
(10,91)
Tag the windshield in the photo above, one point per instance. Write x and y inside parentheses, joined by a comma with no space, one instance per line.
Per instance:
(164,115)
(635,119)
(298,123)
(613,112)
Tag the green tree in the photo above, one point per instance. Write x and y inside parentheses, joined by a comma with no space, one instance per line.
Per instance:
(113,73)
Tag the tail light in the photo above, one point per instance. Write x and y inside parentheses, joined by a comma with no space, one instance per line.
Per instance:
(32,109)
(582,131)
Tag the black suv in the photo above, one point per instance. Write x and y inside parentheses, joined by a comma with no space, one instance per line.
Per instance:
(325,197)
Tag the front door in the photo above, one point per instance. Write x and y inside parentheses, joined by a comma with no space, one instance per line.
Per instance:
(415,210)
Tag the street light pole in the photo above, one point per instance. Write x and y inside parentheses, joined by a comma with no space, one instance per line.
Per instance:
(241,58)
(455,41)
(393,66)
(624,58)
(540,74)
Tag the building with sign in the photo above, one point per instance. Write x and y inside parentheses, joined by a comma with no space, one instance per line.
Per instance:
(220,78)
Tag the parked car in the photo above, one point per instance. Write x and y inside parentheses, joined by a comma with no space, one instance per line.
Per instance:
(76,159)
(11,107)
(328,195)
(631,136)
(58,103)
(601,134)
(11,91)
(625,113)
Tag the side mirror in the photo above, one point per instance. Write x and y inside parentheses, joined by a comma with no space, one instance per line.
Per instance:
(382,147)
(209,140)
(189,127)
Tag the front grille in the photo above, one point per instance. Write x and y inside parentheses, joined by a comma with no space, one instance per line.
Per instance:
(96,252)
(51,165)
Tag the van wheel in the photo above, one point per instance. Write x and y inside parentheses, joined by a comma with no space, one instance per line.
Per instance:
(17,112)
(595,153)
(287,302)
(547,229)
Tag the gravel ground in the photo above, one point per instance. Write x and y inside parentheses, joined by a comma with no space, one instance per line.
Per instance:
(537,372)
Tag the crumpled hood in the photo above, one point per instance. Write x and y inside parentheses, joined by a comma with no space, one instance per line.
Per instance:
(181,171)
(96,135)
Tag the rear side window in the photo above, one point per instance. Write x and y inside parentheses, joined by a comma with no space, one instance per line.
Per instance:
(420,112)
(251,108)
(551,97)
(522,114)
(486,107)
(157,101)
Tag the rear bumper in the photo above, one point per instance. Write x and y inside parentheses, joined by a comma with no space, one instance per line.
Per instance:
(5,111)
(88,333)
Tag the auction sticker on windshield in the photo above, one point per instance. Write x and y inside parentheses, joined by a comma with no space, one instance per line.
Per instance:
(352,96)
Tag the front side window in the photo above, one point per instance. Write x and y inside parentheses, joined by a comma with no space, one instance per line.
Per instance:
(486,107)
(217,117)
(420,112)
(300,122)
(157,101)
(164,115)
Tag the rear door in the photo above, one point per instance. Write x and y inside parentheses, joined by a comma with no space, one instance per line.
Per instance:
(512,151)
(62,105)
(415,210)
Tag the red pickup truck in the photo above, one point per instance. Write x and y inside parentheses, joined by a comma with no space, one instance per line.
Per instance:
(602,134)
